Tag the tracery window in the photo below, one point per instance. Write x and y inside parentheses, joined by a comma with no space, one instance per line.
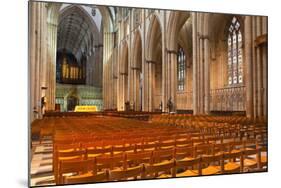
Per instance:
(181,68)
(235,54)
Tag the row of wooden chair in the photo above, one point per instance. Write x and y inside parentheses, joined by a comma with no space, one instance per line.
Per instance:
(223,163)
(125,159)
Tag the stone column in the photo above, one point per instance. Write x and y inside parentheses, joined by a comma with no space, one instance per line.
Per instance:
(145,86)
(173,78)
(206,75)
(32,55)
(194,62)
(150,86)
(264,66)
(105,70)
(143,63)
(111,99)
(249,67)
(38,61)
(259,71)
(165,81)
(201,75)
(164,64)
(168,70)
(254,71)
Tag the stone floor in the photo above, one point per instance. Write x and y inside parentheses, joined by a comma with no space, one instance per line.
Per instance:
(42,163)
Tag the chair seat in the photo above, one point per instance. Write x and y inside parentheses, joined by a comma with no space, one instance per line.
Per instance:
(77,178)
(235,151)
(251,163)
(165,176)
(211,170)
(182,145)
(187,159)
(130,151)
(117,152)
(69,158)
(231,167)
(149,149)
(188,173)
(81,175)
(166,147)
(93,155)
(162,163)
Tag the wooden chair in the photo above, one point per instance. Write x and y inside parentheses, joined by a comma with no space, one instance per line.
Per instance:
(166,145)
(66,147)
(135,159)
(110,162)
(123,148)
(163,155)
(184,153)
(74,167)
(203,149)
(211,164)
(262,158)
(98,151)
(183,142)
(87,178)
(250,159)
(188,167)
(125,174)
(232,162)
(64,156)
(152,146)
(160,170)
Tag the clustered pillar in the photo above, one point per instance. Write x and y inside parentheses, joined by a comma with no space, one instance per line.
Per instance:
(200,63)
(38,58)
(256,67)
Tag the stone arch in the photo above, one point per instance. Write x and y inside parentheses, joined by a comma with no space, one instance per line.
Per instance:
(53,12)
(154,27)
(124,58)
(216,28)
(179,27)
(154,62)
(137,43)
(175,22)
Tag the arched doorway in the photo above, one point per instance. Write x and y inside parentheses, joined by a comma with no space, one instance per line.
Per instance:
(72,101)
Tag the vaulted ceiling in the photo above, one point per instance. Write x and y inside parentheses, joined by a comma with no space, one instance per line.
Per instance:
(77,31)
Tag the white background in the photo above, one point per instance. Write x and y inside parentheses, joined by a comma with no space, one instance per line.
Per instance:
(13,99)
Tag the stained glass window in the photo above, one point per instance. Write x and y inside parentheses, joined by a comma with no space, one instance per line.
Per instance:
(235,55)
(181,68)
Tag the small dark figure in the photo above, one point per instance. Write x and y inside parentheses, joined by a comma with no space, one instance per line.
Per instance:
(161,106)
(127,106)
(170,105)
(43,104)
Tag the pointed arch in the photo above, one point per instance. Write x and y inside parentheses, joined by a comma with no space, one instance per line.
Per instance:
(152,34)
(137,50)
(175,22)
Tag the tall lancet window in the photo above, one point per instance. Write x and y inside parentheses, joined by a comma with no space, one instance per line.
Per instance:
(235,56)
(181,69)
